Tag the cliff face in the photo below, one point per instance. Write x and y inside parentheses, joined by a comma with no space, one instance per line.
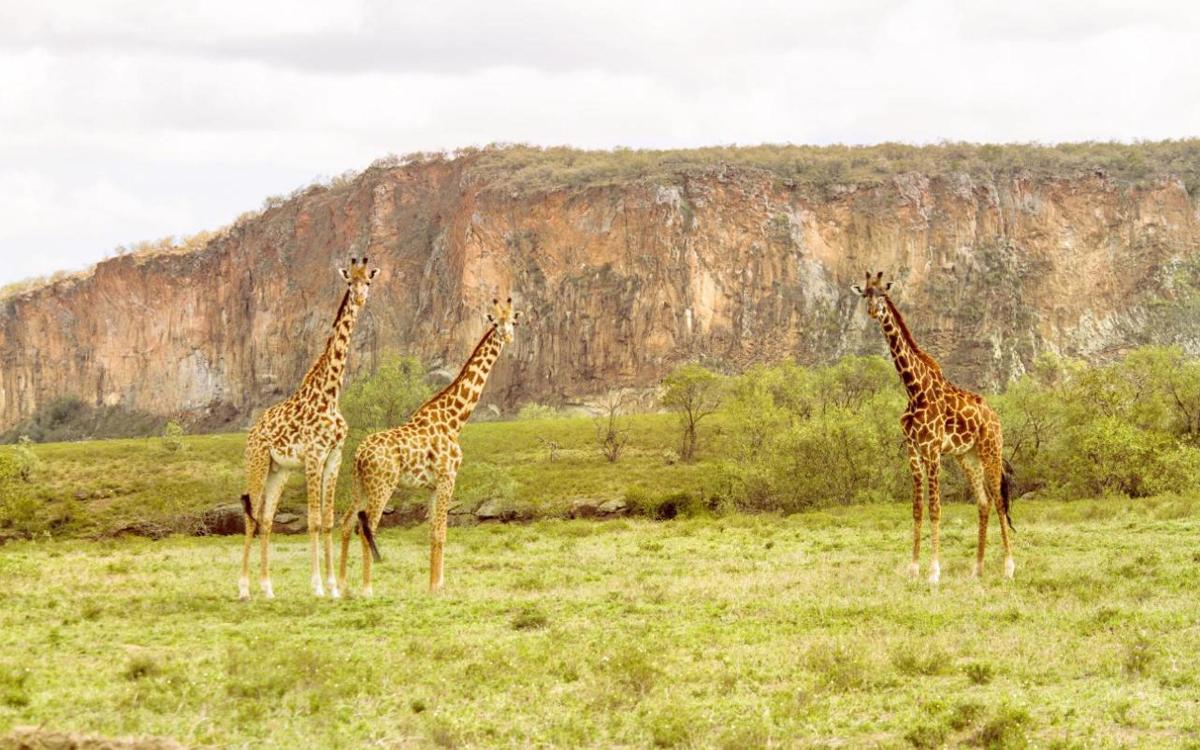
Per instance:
(619,282)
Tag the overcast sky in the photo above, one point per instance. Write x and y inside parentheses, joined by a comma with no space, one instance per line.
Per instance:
(127,120)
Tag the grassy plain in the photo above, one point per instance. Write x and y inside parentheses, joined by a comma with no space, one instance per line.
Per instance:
(91,488)
(737,631)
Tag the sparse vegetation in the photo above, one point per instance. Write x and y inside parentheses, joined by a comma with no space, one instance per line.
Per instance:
(611,436)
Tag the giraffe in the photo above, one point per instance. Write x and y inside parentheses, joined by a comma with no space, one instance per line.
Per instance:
(422,453)
(942,419)
(304,432)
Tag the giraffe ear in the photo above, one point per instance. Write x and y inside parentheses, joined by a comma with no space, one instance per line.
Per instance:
(856,289)
(374,272)
(345,274)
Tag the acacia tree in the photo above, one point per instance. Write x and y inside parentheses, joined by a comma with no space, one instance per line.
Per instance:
(693,392)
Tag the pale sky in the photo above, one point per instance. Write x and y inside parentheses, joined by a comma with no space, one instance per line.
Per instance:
(127,120)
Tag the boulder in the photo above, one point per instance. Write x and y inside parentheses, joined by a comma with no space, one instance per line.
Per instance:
(615,507)
(490,510)
(223,520)
(584,507)
(289,523)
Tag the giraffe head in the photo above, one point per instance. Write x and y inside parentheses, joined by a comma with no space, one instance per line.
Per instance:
(875,293)
(504,318)
(358,279)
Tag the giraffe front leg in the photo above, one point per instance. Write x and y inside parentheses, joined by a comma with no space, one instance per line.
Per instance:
(933,471)
(918,502)
(314,467)
(328,497)
(437,532)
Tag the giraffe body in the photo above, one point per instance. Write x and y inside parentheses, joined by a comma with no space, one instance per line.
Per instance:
(942,420)
(423,453)
(303,433)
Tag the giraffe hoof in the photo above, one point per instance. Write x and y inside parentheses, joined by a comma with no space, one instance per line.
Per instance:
(243,589)
(1010,567)
(367,592)
(268,592)
(977,572)
(914,569)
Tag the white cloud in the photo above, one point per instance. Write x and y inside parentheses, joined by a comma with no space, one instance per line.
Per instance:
(132,120)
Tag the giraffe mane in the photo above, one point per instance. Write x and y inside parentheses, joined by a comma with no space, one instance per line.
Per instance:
(908,337)
(461,373)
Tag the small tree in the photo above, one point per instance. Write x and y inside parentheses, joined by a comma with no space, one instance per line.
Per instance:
(693,392)
(172,436)
(388,396)
(611,436)
(27,461)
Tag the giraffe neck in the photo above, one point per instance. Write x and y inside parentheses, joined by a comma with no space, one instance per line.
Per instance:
(916,368)
(455,403)
(325,376)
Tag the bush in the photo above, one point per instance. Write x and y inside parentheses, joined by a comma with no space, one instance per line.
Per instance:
(387,397)
(172,436)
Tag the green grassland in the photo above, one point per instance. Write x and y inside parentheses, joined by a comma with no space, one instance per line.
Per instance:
(96,487)
(737,631)
(716,628)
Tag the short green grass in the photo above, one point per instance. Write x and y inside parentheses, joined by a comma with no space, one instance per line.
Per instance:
(738,631)
(94,487)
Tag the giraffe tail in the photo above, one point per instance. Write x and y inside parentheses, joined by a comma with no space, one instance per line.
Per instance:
(250,514)
(1005,493)
(365,527)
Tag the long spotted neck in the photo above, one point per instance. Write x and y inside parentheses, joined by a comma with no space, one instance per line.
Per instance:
(455,403)
(325,376)
(916,368)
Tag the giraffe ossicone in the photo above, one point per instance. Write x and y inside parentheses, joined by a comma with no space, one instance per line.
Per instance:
(306,431)
(422,453)
(942,419)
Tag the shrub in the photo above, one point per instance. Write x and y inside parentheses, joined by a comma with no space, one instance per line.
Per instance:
(172,436)
(386,397)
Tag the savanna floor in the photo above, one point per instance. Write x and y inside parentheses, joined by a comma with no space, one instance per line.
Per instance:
(739,631)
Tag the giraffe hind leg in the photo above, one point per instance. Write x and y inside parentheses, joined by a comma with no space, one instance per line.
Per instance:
(276,478)
(257,468)
(973,471)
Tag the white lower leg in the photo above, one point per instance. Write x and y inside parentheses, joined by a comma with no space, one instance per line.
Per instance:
(268,592)
(935,572)
(1009,567)
(368,591)
(978,572)
(317,587)
(331,583)
(914,569)
(243,588)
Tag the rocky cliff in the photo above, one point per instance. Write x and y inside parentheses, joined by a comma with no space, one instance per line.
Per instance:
(621,278)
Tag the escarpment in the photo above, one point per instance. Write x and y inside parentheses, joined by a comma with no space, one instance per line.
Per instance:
(622,278)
